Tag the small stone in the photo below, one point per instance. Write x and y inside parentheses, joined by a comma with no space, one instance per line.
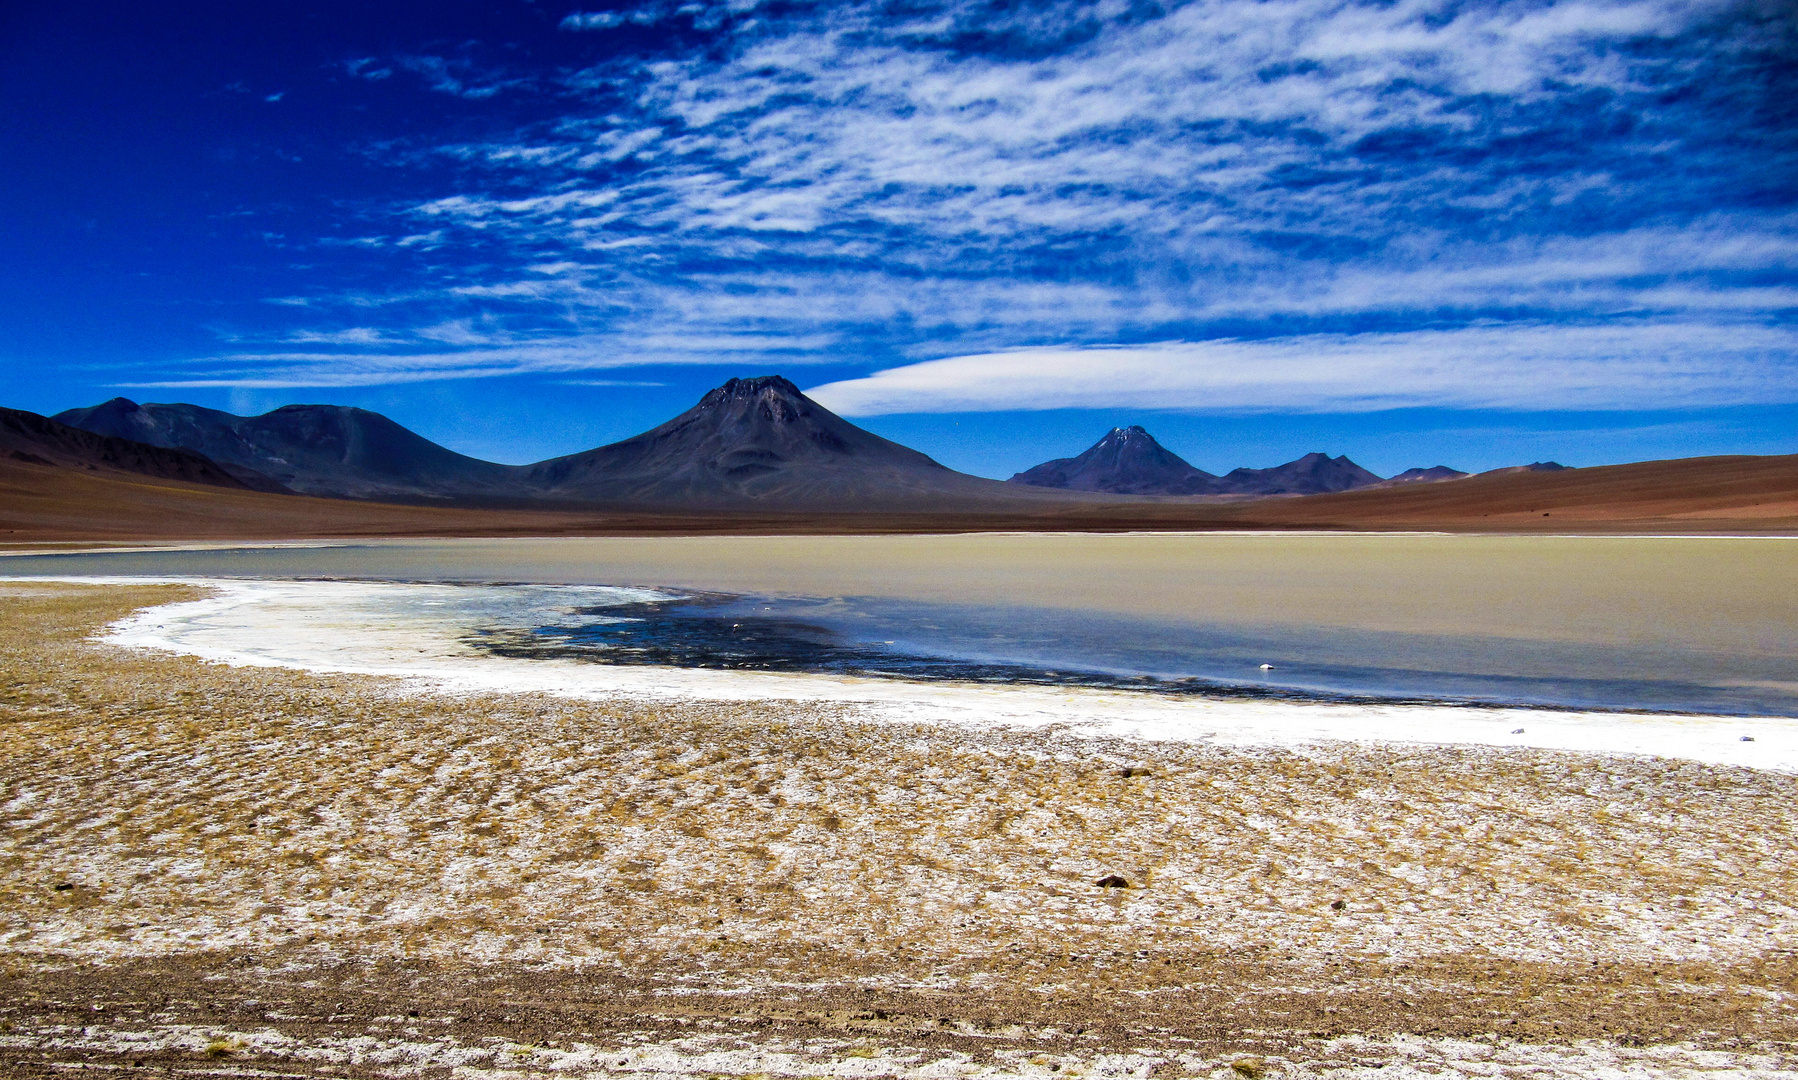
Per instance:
(1112,881)
(1252,1068)
(1338,905)
(1134,771)
(64,887)
(1517,731)
(1747,738)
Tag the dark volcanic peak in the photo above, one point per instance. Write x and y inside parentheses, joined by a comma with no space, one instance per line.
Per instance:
(31,439)
(756,442)
(1127,461)
(1534,466)
(316,449)
(1422,476)
(1313,474)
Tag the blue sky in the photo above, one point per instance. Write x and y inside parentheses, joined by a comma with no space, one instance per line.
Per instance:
(1413,232)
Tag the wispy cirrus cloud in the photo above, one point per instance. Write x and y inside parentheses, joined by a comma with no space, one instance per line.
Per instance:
(431,357)
(958,177)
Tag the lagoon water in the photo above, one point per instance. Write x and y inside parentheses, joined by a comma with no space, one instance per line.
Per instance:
(1681,625)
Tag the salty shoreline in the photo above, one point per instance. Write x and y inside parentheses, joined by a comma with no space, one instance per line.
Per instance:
(359,873)
(345,627)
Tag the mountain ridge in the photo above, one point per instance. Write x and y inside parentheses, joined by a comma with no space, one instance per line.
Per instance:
(333,450)
(1315,473)
(756,442)
(32,439)
(1435,474)
(1129,461)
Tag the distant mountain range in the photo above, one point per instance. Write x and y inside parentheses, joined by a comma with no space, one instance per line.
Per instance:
(30,439)
(1128,460)
(751,443)
(328,450)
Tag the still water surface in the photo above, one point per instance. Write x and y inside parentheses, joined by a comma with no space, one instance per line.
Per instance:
(1676,624)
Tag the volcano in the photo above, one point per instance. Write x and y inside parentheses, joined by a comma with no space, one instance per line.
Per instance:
(760,442)
(1127,461)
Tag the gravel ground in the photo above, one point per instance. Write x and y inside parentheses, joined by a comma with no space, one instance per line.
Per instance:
(209,869)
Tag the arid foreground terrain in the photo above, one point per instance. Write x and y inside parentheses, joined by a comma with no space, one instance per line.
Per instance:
(217,871)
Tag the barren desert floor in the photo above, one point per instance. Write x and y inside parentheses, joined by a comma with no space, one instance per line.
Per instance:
(213,870)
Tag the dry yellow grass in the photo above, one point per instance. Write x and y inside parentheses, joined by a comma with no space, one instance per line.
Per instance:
(156,809)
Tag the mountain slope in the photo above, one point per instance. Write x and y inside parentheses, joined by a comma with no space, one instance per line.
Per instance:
(1751,493)
(27,438)
(1431,475)
(1127,461)
(1313,474)
(328,450)
(1534,466)
(760,442)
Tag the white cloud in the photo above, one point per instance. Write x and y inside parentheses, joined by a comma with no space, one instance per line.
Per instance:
(484,357)
(592,20)
(862,179)
(1529,367)
(961,165)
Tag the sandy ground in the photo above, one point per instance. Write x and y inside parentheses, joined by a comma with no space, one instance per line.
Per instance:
(218,870)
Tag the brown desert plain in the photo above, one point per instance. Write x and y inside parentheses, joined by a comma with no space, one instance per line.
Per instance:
(46,503)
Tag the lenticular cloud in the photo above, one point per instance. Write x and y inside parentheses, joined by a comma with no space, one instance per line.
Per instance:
(1536,367)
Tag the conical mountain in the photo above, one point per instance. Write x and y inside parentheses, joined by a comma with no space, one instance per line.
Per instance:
(1127,461)
(759,443)
(332,450)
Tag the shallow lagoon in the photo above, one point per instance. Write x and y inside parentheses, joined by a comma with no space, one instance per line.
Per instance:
(1676,624)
